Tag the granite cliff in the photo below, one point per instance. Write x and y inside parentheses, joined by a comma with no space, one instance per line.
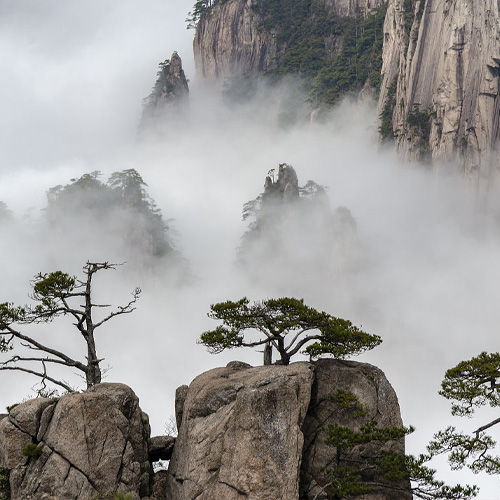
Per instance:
(241,38)
(440,86)
(438,76)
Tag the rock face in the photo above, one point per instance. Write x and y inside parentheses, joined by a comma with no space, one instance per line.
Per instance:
(443,63)
(374,393)
(247,432)
(87,444)
(169,94)
(240,434)
(230,42)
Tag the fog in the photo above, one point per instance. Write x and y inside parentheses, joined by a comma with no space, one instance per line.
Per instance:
(425,272)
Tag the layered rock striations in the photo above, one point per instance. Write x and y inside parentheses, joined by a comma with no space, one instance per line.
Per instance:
(440,87)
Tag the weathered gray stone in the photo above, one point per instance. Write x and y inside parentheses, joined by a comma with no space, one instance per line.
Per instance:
(369,384)
(447,64)
(27,415)
(169,95)
(231,42)
(12,442)
(94,442)
(240,434)
(161,448)
(180,398)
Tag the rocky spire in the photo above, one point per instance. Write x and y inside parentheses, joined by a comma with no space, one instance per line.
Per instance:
(168,96)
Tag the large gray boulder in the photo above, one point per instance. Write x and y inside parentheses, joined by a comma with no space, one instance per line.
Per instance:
(241,434)
(259,432)
(91,443)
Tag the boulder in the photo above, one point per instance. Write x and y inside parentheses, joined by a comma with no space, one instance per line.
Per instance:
(161,448)
(89,444)
(241,434)
(259,432)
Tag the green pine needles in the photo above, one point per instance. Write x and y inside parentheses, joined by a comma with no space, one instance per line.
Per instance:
(287,326)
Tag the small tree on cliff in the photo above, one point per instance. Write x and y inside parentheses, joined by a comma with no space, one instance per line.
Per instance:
(471,384)
(287,325)
(58,294)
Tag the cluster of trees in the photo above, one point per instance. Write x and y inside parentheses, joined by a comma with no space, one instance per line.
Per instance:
(120,207)
(329,70)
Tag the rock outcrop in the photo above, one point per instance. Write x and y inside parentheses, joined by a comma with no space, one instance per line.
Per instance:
(288,216)
(169,95)
(240,434)
(441,69)
(81,446)
(231,42)
(373,391)
(258,432)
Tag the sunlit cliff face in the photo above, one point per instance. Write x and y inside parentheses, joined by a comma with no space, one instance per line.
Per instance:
(424,275)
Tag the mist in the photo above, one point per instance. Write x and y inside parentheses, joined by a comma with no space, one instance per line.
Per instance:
(423,275)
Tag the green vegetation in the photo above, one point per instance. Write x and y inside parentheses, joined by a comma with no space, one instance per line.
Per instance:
(201,8)
(287,325)
(470,385)
(4,484)
(32,450)
(355,472)
(335,55)
(420,124)
(386,129)
(120,207)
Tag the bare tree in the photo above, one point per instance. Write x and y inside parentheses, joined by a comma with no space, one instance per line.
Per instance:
(58,294)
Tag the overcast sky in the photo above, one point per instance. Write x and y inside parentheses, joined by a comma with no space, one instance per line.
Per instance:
(72,77)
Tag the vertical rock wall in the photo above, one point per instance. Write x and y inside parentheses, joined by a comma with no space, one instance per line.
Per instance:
(447,66)
(230,42)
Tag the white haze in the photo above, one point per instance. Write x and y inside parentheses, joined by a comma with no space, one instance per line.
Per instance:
(72,79)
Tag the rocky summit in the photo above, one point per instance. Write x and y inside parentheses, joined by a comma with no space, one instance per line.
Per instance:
(253,432)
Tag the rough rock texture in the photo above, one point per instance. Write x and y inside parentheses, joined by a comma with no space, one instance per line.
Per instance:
(169,94)
(240,434)
(180,398)
(447,64)
(369,384)
(258,432)
(93,442)
(161,448)
(229,41)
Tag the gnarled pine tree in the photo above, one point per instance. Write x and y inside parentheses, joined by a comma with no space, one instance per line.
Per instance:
(58,294)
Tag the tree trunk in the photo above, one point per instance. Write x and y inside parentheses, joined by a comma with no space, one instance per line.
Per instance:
(268,354)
